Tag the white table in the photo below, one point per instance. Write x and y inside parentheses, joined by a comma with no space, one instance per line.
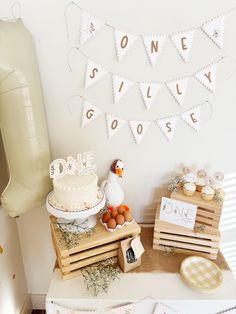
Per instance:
(133,287)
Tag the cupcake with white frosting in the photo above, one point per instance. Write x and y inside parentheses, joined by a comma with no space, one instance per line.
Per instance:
(200,183)
(190,178)
(207,193)
(189,189)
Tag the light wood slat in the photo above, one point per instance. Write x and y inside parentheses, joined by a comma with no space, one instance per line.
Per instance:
(183,245)
(206,242)
(88,253)
(89,261)
(187,252)
(207,214)
(207,221)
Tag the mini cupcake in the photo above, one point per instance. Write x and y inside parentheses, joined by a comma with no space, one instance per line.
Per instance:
(200,183)
(189,189)
(218,189)
(190,178)
(207,193)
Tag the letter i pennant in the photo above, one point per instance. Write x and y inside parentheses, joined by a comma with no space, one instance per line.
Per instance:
(89,113)
(120,86)
(192,117)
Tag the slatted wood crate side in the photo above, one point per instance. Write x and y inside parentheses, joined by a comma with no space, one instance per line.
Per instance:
(89,253)
(186,239)
(209,232)
(183,245)
(184,251)
(101,236)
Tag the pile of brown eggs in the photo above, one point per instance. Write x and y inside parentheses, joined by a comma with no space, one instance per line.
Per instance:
(117,216)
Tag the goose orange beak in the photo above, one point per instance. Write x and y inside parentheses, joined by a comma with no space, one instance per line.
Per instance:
(119,172)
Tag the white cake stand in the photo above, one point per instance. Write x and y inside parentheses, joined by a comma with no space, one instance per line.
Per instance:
(80,219)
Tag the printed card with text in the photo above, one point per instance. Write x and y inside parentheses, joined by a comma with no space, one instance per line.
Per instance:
(178,213)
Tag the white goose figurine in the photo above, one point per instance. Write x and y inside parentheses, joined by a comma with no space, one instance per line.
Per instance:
(112,189)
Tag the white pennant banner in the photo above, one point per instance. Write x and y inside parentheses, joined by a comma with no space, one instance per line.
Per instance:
(149,92)
(154,45)
(123,43)
(90,25)
(125,309)
(183,42)
(139,129)
(113,124)
(89,113)
(167,126)
(192,117)
(207,77)
(94,73)
(215,30)
(178,89)
(121,86)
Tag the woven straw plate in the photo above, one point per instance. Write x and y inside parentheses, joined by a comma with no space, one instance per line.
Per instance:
(201,274)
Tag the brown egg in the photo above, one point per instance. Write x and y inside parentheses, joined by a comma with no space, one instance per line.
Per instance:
(111,223)
(121,210)
(106,216)
(128,217)
(114,213)
(120,219)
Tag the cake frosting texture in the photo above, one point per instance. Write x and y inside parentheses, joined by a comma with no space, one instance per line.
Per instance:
(74,191)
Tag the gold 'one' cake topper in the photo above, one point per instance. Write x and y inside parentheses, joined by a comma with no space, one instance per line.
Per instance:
(83,165)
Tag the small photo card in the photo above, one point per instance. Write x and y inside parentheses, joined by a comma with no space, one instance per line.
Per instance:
(178,213)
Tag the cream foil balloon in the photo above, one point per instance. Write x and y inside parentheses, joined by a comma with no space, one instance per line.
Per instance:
(22,121)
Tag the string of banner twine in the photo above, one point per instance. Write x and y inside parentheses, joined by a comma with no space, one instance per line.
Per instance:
(205,103)
(158,82)
(140,35)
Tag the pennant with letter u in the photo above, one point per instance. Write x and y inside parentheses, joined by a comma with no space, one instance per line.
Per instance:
(89,113)
(149,91)
(167,126)
(90,25)
(120,86)
(113,124)
(123,43)
(192,117)
(178,89)
(214,29)
(154,45)
(139,129)
(94,73)
(207,77)
(183,43)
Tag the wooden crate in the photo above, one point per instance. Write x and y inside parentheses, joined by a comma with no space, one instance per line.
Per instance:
(172,238)
(208,212)
(100,246)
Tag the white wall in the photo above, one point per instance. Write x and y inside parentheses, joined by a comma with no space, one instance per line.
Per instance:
(150,163)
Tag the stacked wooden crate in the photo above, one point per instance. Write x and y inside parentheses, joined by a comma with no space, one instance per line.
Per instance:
(203,240)
(101,245)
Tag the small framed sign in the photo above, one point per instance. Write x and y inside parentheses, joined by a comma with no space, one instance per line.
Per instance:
(178,213)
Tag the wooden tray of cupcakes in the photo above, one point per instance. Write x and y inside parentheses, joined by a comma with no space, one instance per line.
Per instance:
(207,194)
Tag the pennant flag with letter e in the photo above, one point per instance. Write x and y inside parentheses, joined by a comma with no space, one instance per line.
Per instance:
(113,124)
(139,128)
(89,113)
(149,91)
(214,29)
(120,86)
(207,77)
(183,42)
(94,73)
(167,126)
(192,117)
(178,88)
(153,45)
(90,25)
(123,43)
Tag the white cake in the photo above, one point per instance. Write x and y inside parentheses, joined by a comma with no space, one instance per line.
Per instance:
(75,191)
